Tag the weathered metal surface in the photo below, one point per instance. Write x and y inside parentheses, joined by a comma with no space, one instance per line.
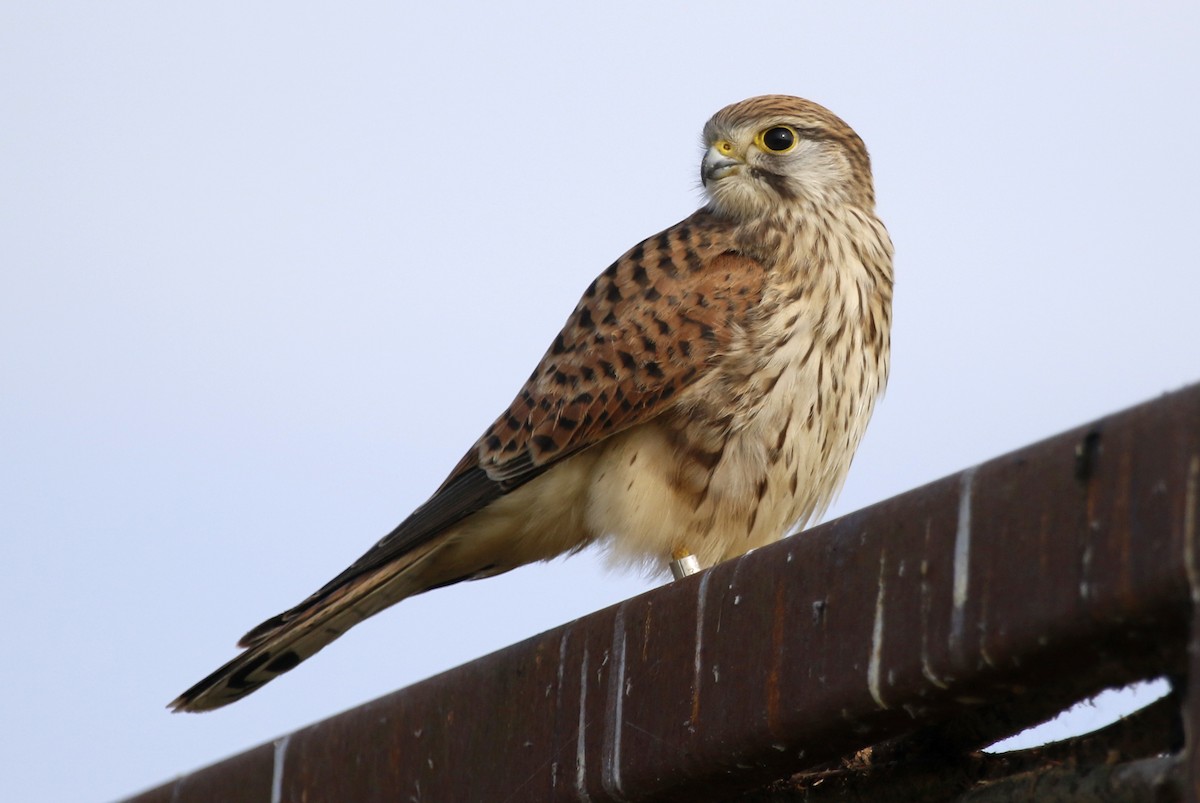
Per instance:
(1147,780)
(969,608)
(1191,560)
(1134,758)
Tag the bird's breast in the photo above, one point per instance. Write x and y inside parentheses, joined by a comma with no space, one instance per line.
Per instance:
(757,448)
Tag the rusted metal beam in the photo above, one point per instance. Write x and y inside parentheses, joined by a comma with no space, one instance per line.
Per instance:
(1135,758)
(1191,564)
(1147,780)
(962,611)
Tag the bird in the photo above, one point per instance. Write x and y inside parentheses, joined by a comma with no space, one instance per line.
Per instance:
(704,398)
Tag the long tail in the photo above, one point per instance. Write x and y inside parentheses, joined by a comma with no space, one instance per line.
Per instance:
(282,642)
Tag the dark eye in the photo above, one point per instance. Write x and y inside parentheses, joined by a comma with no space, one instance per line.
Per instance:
(779,139)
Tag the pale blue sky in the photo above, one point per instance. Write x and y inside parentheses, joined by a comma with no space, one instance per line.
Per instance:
(266,271)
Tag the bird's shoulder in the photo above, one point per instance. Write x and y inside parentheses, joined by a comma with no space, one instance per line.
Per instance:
(649,326)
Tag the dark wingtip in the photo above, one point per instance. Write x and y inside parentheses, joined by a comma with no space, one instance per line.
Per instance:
(231,682)
(256,634)
(186,703)
(193,701)
(180,706)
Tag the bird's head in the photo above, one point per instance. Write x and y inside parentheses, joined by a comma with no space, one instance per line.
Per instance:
(773,151)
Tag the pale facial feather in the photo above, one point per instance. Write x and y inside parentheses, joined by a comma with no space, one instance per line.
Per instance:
(816,170)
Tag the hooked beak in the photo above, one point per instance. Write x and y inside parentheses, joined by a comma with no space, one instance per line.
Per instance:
(719,161)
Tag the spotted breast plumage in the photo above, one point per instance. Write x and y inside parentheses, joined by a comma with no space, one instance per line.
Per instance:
(705,396)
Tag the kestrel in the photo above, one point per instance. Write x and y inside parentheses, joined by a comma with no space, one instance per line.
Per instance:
(705,396)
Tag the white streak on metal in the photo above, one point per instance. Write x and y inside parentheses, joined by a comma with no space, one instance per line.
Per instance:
(1191,493)
(962,558)
(1085,588)
(580,740)
(873,665)
(277,769)
(926,609)
(558,694)
(610,770)
(701,595)
(562,667)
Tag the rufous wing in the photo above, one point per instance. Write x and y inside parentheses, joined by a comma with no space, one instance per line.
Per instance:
(649,327)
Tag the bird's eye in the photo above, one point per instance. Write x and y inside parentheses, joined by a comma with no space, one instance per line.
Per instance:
(777,139)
